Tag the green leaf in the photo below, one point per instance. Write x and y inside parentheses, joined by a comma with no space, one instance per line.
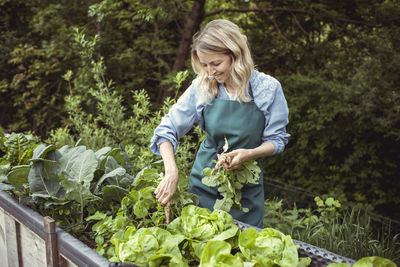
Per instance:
(97,216)
(374,261)
(6,187)
(167,260)
(77,191)
(81,168)
(69,155)
(118,155)
(113,193)
(44,178)
(304,262)
(114,175)
(101,155)
(78,176)
(218,253)
(140,209)
(41,151)
(5,167)
(18,176)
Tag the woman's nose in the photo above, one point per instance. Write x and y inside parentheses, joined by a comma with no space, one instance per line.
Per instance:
(211,70)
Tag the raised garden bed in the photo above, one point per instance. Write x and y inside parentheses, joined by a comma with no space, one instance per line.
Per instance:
(26,239)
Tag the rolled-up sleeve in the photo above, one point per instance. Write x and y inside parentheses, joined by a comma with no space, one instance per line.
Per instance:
(179,120)
(268,96)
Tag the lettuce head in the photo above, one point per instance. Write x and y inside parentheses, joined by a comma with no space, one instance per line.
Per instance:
(200,225)
(268,248)
(151,247)
(217,253)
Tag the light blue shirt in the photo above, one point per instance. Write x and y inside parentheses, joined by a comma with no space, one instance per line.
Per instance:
(267,95)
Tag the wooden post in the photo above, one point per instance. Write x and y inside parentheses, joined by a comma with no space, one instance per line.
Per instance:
(51,242)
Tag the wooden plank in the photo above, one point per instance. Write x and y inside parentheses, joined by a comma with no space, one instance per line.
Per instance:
(13,242)
(33,248)
(3,244)
(51,242)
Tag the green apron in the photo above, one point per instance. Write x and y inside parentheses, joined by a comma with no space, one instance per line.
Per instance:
(242,123)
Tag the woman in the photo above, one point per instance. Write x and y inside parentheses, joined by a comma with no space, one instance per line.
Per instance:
(229,98)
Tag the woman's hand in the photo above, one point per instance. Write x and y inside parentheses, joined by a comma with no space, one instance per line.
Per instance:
(235,158)
(167,188)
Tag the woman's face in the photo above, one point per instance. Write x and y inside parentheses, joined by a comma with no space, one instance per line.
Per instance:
(217,65)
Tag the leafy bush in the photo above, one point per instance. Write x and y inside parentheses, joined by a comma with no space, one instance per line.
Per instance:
(71,182)
(327,154)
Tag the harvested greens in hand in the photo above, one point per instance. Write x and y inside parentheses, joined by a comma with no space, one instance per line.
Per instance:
(230,183)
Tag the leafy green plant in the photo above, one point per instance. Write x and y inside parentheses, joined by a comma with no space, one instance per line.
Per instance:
(152,246)
(18,148)
(269,247)
(288,221)
(230,183)
(199,225)
(105,228)
(139,209)
(69,182)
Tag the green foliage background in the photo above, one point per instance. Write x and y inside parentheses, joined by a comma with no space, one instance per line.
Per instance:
(338,62)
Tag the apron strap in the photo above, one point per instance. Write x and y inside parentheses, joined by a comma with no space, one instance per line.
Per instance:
(251,91)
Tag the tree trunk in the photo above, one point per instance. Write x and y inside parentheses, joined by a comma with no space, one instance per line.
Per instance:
(191,26)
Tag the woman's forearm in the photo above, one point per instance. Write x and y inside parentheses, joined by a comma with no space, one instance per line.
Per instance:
(167,187)
(167,154)
(263,150)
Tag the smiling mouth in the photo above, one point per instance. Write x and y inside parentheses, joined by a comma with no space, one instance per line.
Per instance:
(215,76)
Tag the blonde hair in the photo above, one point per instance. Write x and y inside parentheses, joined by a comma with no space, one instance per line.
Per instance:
(223,37)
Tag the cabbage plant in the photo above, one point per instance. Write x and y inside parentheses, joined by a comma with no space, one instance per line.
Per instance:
(199,225)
